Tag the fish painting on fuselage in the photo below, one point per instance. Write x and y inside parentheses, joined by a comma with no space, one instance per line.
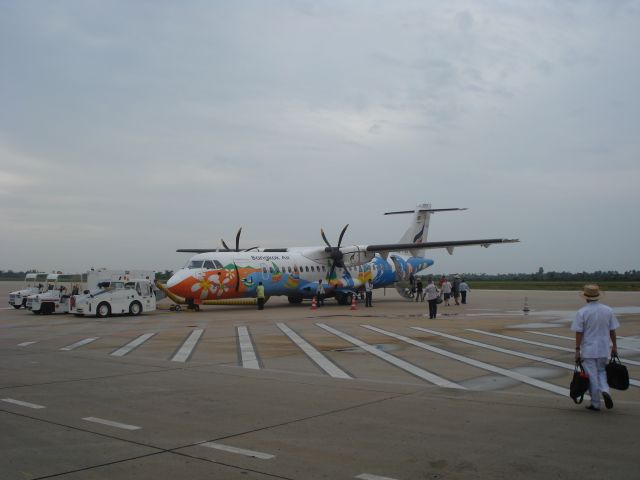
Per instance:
(220,274)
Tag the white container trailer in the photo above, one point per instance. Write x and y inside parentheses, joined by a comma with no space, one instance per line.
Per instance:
(32,284)
(56,297)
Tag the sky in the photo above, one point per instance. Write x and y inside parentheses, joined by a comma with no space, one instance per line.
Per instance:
(131,129)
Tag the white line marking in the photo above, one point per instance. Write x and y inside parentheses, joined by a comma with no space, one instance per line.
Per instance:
(22,404)
(247,353)
(121,352)
(539,344)
(320,360)
(620,340)
(110,423)
(26,344)
(240,451)
(476,363)
(183,353)
(568,366)
(406,366)
(73,346)
(368,476)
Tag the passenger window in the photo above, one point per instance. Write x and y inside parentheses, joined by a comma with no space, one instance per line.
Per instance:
(264,269)
(289,268)
(307,268)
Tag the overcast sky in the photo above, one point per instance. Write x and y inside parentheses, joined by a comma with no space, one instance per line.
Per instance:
(131,129)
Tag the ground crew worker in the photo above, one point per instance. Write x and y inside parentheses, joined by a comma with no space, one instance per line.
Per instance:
(260,296)
(368,293)
(419,292)
(320,293)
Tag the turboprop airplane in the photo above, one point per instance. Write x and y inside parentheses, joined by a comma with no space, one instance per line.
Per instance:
(216,275)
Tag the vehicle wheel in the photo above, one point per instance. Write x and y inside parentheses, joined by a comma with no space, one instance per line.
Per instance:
(177,308)
(293,300)
(135,309)
(17,307)
(103,310)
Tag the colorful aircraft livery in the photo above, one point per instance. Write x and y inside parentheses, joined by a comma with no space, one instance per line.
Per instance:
(220,274)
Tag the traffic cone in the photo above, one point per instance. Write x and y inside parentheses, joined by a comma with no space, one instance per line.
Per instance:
(526,308)
(353,302)
(314,305)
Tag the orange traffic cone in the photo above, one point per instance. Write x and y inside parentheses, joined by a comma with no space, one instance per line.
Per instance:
(314,305)
(353,302)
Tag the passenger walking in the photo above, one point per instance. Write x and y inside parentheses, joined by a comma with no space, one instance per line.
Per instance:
(260,296)
(455,288)
(446,291)
(320,293)
(368,290)
(419,292)
(595,324)
(432,298)
(464,289)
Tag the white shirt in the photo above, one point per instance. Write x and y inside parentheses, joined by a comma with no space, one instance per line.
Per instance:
(595,321)
(432,292)
(446,287)
(464,287)
(368,287)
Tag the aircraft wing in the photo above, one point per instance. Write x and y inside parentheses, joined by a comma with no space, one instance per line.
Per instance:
(394,247)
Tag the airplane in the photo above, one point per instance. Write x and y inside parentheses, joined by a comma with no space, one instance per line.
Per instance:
(214,276)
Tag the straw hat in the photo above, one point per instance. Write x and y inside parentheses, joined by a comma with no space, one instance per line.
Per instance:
(591,292)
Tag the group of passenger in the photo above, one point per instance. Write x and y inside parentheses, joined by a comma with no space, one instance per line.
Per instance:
(442,293)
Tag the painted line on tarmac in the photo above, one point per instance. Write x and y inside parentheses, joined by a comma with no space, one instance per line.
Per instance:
(402,364)
(26,344)
(111,423)
(564,337)
(549,361)
(186,349)
(129,347)
(539,344)
(476,363)
(369,476)
(23,404)
(239,451)
(248,357)
(323,362)
(81,343)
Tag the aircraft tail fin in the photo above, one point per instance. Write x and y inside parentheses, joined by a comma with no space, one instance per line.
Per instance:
(419,225)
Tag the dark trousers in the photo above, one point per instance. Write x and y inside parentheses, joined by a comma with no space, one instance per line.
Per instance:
(464,296)
(320,298)
(260,303)
(367,299)
(433,308)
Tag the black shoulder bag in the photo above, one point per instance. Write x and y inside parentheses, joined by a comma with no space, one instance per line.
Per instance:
(617,374)
(579,383)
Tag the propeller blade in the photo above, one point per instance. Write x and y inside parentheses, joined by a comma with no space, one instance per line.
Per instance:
(224,244)
(342,235)
(238,240)
(324,237)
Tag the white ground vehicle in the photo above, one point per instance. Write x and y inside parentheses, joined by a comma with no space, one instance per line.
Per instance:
(56,297)
(31,282)
(116,298)
(61,287)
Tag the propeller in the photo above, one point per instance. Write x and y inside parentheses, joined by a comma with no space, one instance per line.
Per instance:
(237,249)
(334,252)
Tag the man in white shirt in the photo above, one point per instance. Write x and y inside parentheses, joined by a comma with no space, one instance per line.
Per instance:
(595,324)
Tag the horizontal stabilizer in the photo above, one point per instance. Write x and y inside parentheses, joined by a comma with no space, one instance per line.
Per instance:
(430,210)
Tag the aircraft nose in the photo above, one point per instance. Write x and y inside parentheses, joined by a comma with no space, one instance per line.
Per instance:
(177,278)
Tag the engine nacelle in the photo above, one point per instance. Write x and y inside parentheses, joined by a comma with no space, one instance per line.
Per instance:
(354,256)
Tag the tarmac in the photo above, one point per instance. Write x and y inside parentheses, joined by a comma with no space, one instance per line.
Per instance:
(231,392)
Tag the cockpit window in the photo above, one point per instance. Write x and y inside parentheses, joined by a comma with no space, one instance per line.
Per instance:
(208,264)
(195,264)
